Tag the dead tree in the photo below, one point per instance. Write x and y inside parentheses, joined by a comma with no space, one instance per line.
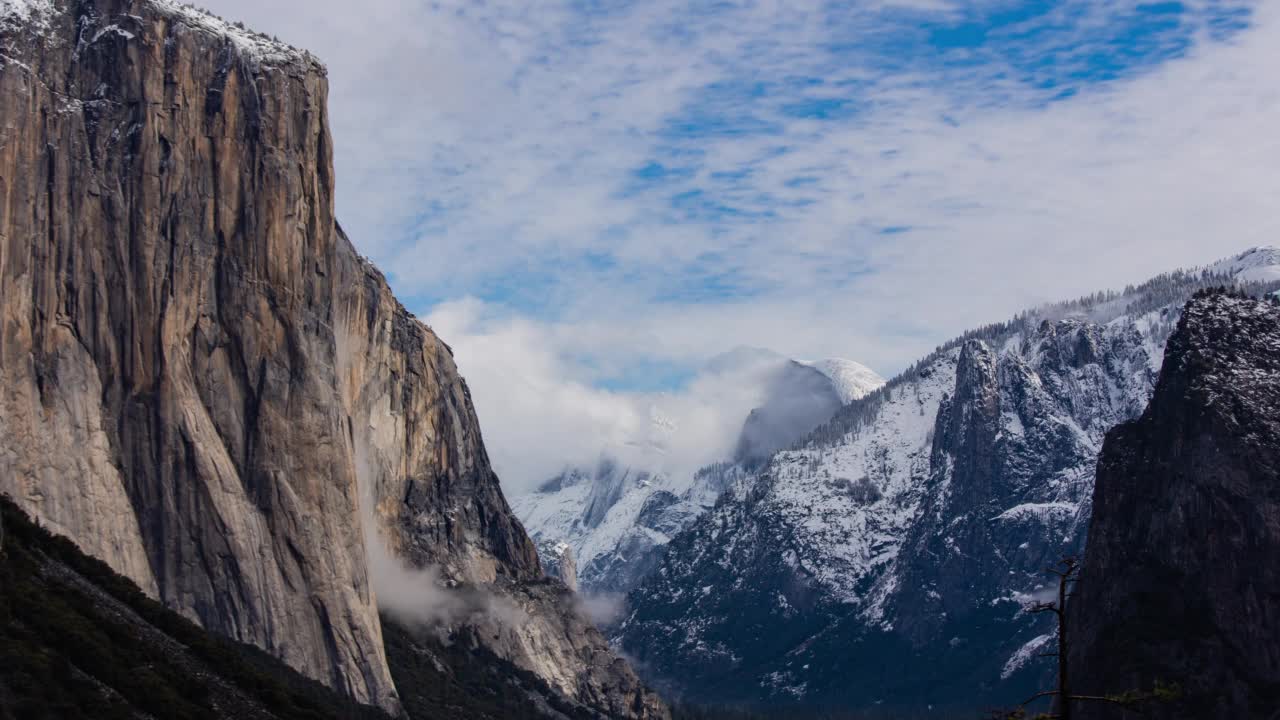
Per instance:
(1067,572)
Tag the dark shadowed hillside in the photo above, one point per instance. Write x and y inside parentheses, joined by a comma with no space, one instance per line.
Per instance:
(1181,584)
(77,640)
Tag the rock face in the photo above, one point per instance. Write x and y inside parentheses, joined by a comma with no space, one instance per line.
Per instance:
(201,381)
(1180,580)
(169,276)
(886,560)
(798,400)
(558,562)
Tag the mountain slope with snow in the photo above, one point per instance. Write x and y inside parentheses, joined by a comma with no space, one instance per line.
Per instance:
(852,380)
(885,560)
(1260,264)
(618,515)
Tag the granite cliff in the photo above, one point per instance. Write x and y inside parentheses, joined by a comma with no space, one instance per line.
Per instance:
(1179,584)
(203,383)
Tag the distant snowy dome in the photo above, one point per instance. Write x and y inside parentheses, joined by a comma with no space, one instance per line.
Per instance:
(852,380)
(1261,264)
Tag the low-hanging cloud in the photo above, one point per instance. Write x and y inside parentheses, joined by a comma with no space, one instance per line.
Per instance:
(603,609)
(419,595)
(540,411)
(408,593)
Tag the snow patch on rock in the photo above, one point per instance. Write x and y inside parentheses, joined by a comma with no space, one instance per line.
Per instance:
(35,15)
(1024,655)
(253,46)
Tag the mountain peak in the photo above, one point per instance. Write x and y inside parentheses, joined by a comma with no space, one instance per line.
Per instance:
(852,380)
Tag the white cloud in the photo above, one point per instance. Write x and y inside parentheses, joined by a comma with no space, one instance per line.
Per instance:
(541,418)
(489,149)
(540,413)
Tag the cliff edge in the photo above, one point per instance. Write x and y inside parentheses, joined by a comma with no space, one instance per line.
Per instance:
(1179,582)
(203,384)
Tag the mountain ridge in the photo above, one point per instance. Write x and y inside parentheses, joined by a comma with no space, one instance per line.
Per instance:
(618,515)
(908,527)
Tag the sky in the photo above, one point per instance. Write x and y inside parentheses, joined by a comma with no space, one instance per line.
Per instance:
(589,199)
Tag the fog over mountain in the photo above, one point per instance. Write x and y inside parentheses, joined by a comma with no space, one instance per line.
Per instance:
(543,414)
(615,514)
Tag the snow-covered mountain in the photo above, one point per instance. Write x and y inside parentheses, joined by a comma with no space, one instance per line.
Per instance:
(852,380)
(1257,265)
(615,516)
(885,560)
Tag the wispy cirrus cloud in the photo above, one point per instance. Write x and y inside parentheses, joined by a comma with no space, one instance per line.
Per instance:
(645,184)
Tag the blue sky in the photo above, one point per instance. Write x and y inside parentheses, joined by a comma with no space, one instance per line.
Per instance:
(590,198)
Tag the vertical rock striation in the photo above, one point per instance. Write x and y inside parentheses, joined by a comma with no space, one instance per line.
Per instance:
(1180,583)
(201,381)
(168,273)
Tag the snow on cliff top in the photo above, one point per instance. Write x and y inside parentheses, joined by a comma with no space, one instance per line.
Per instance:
(852,380)
(254,46)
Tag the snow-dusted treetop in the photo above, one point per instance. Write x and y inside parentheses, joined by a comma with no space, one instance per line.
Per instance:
(24,8)
(35,13)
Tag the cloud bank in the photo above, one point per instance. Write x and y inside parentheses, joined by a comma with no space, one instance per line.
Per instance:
(547,414)
(621,190)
